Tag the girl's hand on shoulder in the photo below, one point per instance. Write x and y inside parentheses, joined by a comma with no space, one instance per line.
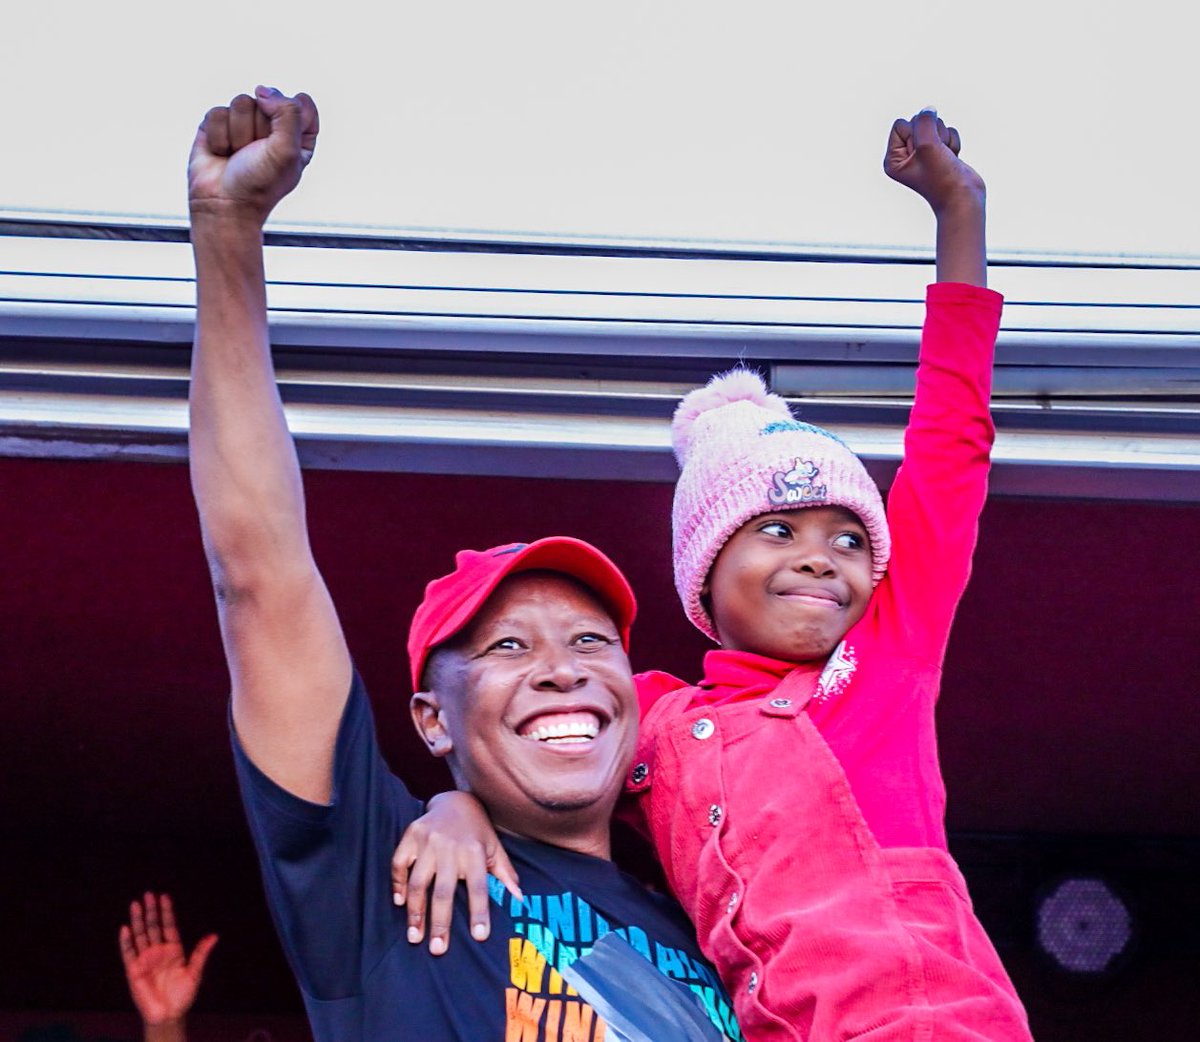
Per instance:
(454,840)
(922,154)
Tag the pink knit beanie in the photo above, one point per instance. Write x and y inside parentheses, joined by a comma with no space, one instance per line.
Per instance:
(741,454)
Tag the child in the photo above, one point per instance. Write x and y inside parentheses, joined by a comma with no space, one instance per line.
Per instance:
(793,795)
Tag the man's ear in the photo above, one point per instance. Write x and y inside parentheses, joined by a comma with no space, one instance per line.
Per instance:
(430,721)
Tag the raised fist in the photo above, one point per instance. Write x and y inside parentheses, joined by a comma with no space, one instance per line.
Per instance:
(250,153)
(922,153)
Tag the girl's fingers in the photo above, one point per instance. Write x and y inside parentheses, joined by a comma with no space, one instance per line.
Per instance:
(925,128)
(420,876)
(503,870)
(900,138)
(441,907)
(402,862)
(476,876)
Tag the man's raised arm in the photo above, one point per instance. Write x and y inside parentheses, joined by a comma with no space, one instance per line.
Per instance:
(288,662)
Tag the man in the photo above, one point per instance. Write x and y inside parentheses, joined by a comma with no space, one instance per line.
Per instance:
(522,681)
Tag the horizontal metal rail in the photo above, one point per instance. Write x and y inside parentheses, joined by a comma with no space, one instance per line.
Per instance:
(506,361)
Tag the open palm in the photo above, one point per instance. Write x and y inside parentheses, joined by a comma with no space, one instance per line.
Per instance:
(162,981)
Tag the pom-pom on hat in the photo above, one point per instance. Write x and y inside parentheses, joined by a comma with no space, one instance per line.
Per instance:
(741,453)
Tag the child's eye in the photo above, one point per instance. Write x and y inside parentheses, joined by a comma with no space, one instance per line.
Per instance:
(776,528)
(849,541)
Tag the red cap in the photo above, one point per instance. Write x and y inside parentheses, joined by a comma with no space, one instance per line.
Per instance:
(452,601)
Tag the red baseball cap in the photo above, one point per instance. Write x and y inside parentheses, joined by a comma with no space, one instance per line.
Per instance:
(452,601)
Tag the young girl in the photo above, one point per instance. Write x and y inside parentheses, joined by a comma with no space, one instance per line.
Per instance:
(793,795)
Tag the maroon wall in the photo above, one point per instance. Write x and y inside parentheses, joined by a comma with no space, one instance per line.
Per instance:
(1069,704)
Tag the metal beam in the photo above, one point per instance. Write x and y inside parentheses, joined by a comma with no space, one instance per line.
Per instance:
(506,361)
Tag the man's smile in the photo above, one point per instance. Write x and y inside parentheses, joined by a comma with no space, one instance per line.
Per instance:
(557,727)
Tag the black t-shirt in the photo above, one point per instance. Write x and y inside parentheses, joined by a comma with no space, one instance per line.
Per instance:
(584,929)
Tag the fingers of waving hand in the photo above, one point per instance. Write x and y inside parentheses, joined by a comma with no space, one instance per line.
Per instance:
(153,920)
(249,154)
(151,925)
(170,932)
(137,928)
(199,956)
(162,980)
(128,951)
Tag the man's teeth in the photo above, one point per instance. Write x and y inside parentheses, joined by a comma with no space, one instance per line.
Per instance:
(566,733)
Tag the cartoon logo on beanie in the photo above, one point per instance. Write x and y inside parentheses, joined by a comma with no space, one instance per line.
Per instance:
(797,487)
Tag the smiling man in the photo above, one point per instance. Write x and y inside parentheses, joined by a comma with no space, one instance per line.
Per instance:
(530,699)
(522,683)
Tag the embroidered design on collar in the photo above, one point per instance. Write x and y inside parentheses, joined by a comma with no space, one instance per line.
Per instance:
(797,486)
(837,672)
